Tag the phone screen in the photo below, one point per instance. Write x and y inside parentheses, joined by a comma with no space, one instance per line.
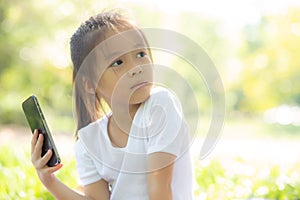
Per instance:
(36,120)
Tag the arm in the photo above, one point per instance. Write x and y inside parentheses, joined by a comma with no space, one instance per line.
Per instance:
(95,191)
(159,178)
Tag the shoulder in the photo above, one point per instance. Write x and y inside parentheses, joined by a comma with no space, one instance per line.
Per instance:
(160,92)
(162,95)
(93,127)
(162,106)
(89,138)
(94,132)
(167,130)
(163,98)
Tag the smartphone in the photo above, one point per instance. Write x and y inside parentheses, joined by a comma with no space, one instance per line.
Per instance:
(36,120)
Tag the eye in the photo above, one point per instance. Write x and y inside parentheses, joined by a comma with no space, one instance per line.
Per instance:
(141,54)
(117,63)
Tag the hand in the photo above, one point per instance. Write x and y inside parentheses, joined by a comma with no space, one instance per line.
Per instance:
(44,172)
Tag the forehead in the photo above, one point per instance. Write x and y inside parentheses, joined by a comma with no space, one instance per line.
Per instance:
(120,42)
(124,35)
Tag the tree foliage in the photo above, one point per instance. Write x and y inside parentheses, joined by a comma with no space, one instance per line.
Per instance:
(271,63)
(34,55)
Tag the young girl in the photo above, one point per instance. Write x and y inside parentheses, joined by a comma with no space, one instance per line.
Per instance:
(139,148)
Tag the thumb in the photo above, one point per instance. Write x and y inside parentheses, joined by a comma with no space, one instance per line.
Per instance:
(55,168)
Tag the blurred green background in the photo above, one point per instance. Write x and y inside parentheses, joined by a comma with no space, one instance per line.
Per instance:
(254,44)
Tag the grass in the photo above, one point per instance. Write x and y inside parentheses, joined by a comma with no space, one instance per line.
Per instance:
(19,180)
(243,181)
(214,181)
(238,178)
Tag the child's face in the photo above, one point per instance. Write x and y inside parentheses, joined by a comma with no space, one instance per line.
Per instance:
(128,74)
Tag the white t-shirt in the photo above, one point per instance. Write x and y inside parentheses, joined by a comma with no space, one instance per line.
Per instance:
(158,126)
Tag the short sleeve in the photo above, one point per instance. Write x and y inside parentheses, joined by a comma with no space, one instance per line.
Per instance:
(85,165)
(168,130)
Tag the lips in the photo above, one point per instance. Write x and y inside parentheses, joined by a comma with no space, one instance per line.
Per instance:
(138,85)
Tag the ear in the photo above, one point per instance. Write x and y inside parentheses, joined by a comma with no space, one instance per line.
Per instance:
(88,86)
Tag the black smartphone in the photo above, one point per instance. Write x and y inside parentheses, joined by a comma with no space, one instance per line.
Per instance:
(36,120)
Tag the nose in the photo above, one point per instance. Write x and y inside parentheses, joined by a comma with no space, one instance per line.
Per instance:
(135,71)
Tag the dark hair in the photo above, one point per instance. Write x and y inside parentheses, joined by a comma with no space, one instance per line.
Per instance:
(83,41)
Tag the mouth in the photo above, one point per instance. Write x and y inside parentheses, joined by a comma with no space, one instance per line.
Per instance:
(139,85)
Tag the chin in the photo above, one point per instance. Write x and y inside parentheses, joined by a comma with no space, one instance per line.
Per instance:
(140,95)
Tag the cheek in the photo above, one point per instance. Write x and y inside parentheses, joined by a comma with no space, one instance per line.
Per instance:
(149,74)
(120,91)
(105,87)
(114,89)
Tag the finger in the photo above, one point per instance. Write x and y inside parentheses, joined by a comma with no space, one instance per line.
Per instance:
(39,145)
(37,149)
(44,160)
(34,139)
